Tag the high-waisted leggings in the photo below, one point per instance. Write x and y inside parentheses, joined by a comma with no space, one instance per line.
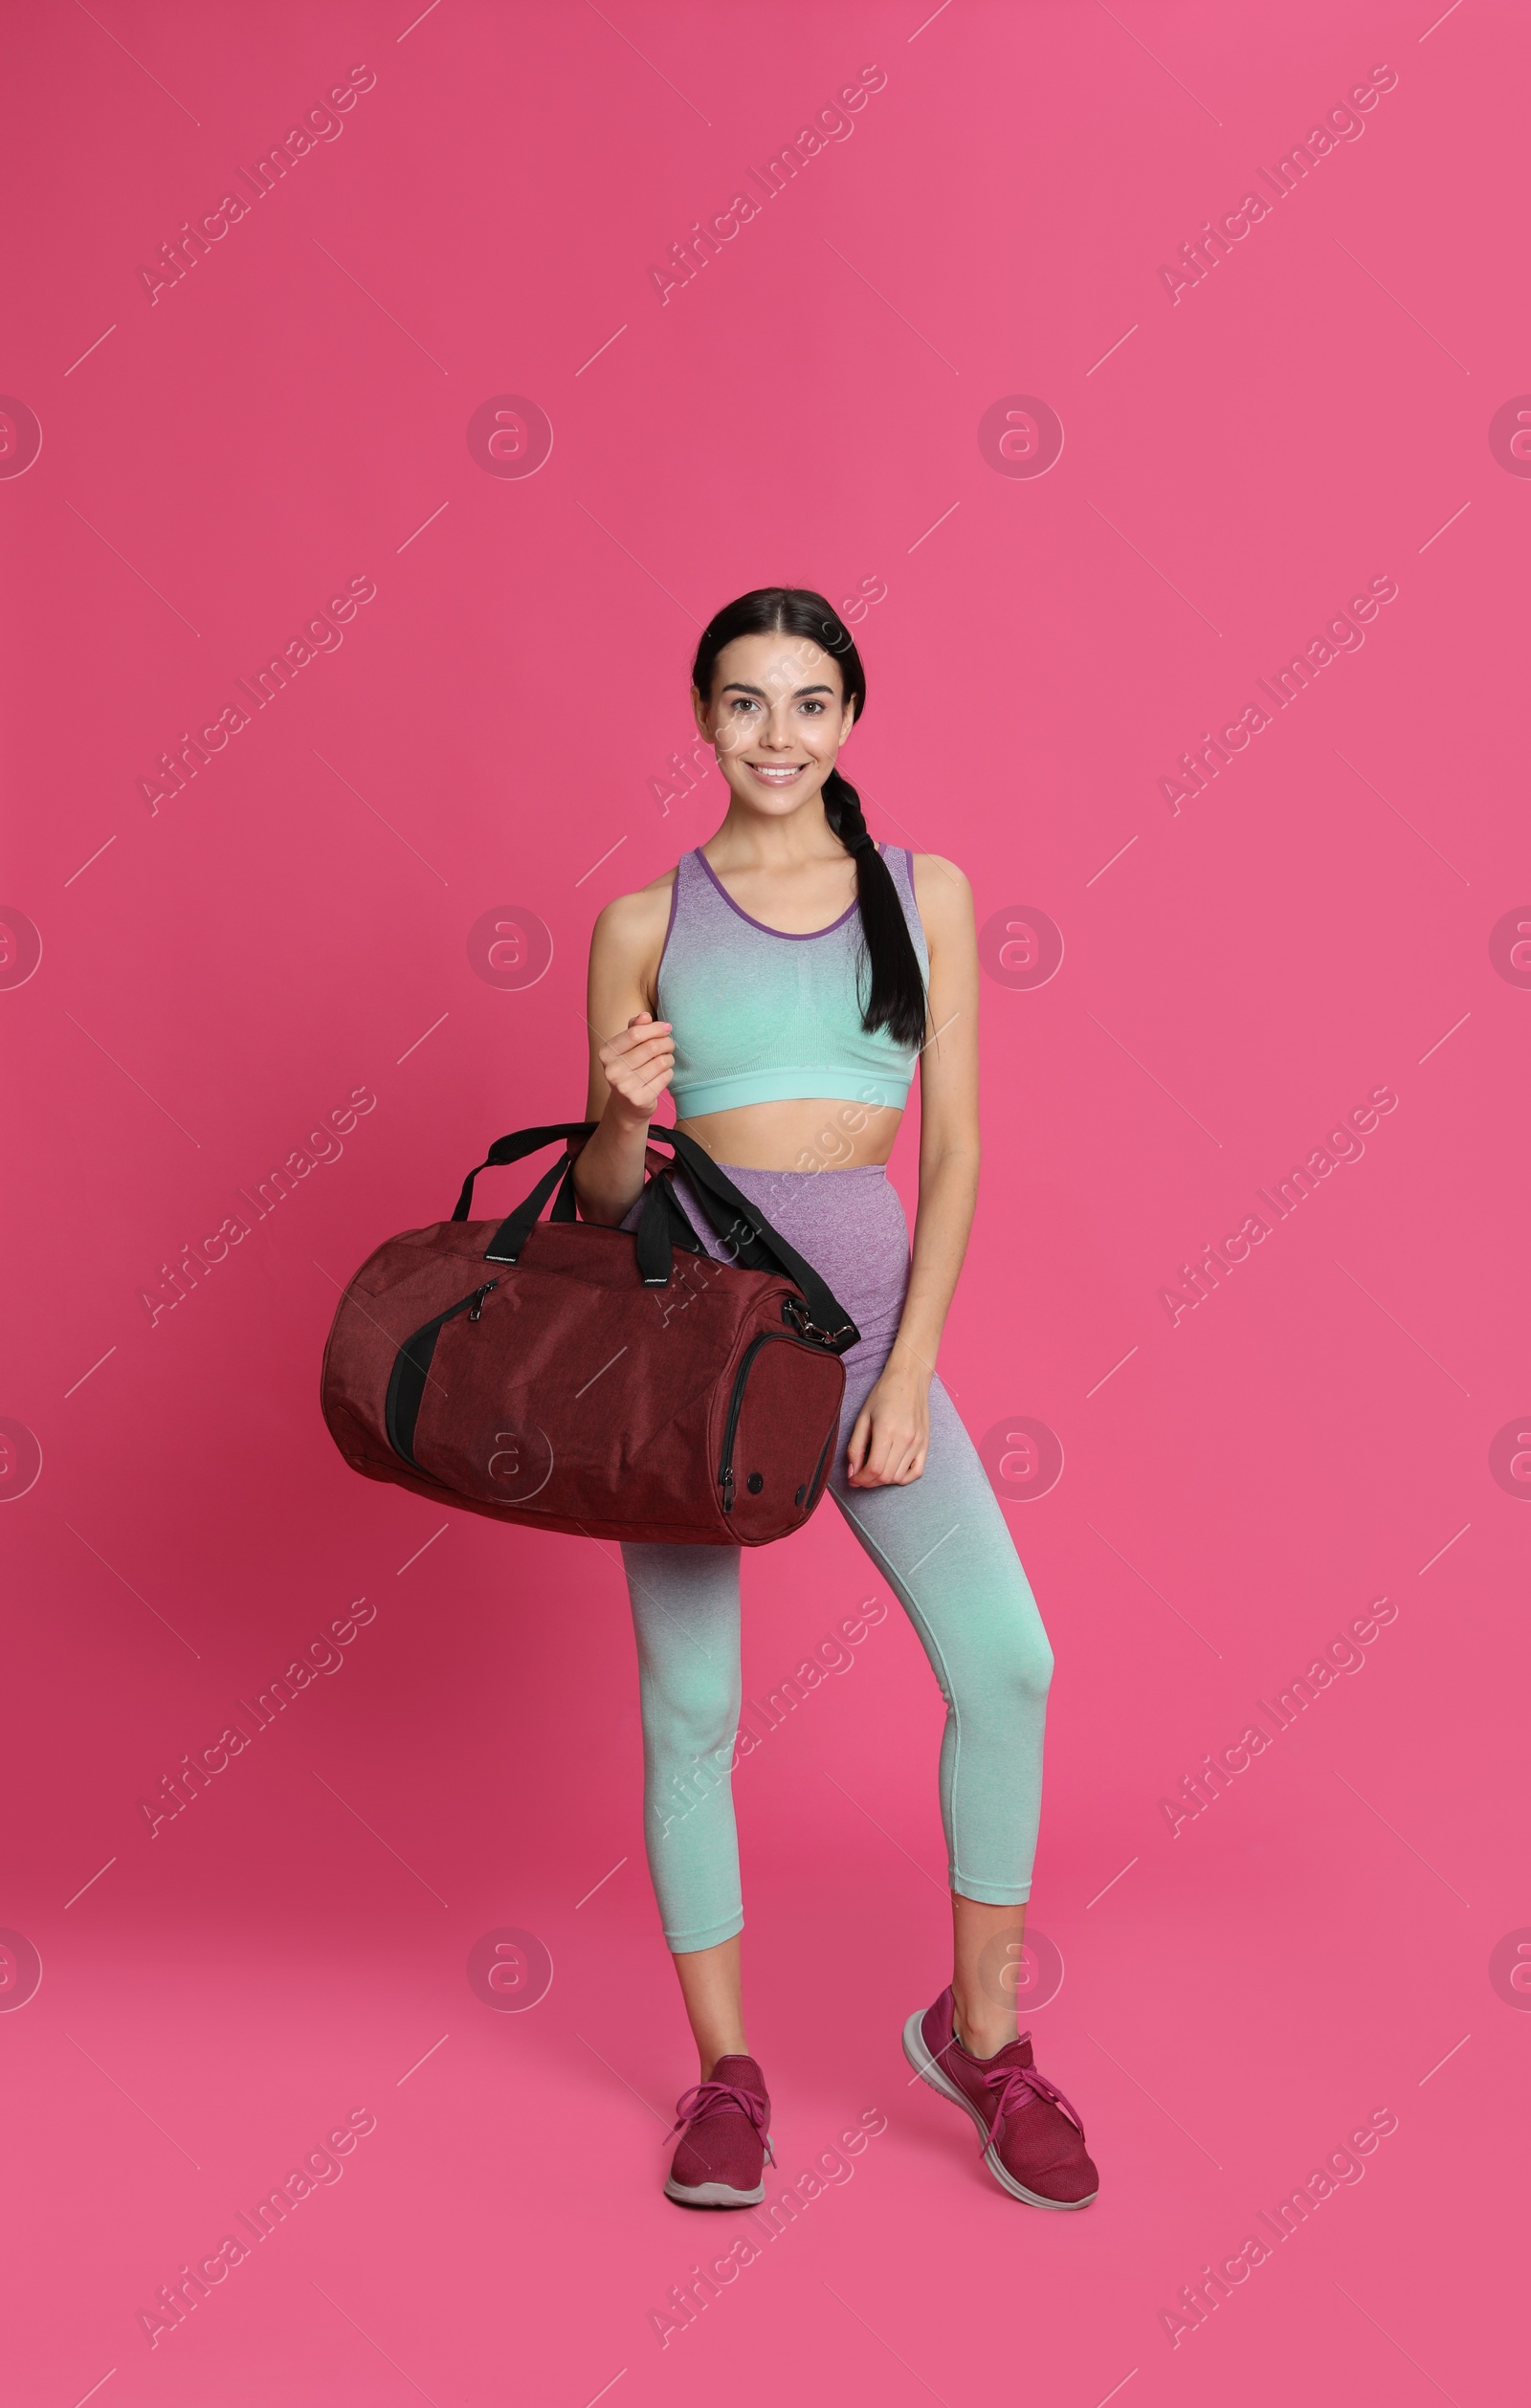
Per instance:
(942,1545)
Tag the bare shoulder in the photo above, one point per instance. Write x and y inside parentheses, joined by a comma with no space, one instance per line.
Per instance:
(944,895)
(629,937)
(630,918)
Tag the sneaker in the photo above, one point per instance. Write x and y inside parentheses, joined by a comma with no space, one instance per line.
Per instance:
(720,2159)
(1032,2140)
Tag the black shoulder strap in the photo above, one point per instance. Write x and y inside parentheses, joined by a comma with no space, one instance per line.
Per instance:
(753,1244)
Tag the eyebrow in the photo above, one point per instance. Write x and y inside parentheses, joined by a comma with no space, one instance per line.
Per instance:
(737,685)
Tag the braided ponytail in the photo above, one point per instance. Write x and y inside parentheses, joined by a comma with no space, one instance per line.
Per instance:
(896,1001)
(897,997)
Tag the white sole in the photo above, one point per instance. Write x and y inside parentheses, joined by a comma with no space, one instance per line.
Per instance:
(713,2194)
(928,2070)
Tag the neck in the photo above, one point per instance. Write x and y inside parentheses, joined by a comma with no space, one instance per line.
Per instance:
(750,839)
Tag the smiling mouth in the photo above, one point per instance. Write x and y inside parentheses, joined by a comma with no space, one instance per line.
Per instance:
(777,773)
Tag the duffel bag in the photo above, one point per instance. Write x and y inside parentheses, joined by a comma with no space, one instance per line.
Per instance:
(618,1385)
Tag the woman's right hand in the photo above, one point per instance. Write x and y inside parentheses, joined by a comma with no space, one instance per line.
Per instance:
(638,1065)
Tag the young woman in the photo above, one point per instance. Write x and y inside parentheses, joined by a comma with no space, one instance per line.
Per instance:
(783,982)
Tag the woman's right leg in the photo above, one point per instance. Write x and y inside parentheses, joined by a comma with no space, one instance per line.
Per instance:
(685,1616)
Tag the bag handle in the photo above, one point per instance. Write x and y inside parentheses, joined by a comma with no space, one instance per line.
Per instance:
(531,1141)
(754,1244)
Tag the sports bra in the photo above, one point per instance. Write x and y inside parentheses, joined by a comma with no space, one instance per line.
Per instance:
(764,1015)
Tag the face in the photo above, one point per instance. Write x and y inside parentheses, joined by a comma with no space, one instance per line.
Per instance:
(778,718)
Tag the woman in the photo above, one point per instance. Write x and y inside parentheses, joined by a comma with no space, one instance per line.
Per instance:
(783,981)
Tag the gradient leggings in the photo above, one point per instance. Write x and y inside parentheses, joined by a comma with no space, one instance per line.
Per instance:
(944,1547)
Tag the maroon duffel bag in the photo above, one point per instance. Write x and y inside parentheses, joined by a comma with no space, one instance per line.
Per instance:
(620,1384)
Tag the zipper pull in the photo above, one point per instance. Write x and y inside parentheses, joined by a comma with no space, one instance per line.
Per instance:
(727,1477)
(476,1309)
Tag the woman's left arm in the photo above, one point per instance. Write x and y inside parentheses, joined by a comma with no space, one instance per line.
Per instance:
(892,1432)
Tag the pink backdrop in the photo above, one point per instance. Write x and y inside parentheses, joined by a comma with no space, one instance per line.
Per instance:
(366,913)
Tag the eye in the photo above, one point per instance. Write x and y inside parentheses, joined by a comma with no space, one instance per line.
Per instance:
(743,702)
(815,706)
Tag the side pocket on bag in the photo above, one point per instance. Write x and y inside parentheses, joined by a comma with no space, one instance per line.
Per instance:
(411,1368)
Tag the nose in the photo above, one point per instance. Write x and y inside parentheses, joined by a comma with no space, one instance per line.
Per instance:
(778,737)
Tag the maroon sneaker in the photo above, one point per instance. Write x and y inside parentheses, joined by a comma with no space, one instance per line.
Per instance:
(719,2159)
(1033,2142)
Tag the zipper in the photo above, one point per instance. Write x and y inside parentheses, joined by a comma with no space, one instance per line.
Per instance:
(813,1484)
(725,1475)
(411,1368)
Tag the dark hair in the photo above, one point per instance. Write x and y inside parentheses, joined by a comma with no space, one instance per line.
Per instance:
(897,998)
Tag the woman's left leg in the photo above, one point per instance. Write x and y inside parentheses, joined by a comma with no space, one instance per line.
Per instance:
(943,1543)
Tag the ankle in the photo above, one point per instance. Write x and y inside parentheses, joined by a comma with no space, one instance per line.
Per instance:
(985,2031)
(734,2048)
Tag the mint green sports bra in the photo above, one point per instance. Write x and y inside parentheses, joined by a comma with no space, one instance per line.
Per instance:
(762,1015)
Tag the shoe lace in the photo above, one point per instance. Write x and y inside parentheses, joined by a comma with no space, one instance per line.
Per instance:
(714,2098)
(1011,2086)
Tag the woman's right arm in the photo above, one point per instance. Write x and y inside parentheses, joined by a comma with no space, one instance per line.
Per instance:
(630,1071)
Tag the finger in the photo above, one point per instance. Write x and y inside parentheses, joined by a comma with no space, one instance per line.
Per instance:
(628,1070)
(641,1025)
(897,1458)
(874,1468)
(876,1471)
(643,1065)
(643,1060)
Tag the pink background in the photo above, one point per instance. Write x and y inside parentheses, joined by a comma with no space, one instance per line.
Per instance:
(491,738)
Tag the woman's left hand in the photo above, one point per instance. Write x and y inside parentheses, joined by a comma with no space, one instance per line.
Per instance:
(892,1432)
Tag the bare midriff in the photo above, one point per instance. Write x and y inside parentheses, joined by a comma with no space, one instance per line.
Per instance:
(808,1134)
